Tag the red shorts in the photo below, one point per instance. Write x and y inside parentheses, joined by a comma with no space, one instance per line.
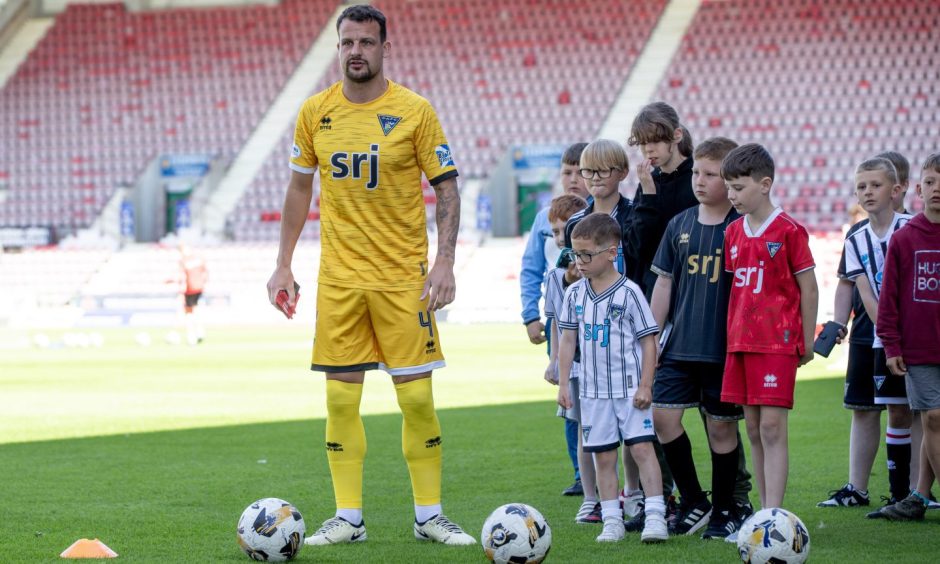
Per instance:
(759,379)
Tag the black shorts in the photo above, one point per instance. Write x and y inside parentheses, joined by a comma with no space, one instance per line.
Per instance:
(889,389)
(192,299)
(860,379)
(681,384)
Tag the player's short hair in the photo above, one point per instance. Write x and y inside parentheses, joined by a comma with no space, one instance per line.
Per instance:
(714,149)
(900,162)
(875,164)
(572,155)
(932,162)
(657,122)
(750,159)
(565,206)
(600,228)
(605,154)
(360,13)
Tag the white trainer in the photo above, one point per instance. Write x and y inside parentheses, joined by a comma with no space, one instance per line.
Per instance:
(613,530)
(655,529)
(337,530)
(441,529)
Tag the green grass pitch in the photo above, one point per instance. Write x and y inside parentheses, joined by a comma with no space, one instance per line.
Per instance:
(157,450)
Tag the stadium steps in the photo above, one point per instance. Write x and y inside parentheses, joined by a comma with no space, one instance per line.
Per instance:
(267,136)
(650,68)
(22,42)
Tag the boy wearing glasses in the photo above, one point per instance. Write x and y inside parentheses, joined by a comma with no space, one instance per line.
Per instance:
(604,165)
(606,314)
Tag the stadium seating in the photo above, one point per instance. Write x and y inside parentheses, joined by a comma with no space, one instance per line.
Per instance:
(107,90)
(822,85)
(498,73)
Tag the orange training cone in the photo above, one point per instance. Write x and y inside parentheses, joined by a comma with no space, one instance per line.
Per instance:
(84,548)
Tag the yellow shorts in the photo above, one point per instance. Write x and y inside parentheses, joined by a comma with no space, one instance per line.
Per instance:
(371,329)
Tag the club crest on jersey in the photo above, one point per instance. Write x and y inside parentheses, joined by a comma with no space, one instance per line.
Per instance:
(615,312)
(586,431)
(388,123)
(443,155)
(879,381)
(772,248)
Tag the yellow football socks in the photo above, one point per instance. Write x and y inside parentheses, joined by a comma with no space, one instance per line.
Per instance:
(421,440)
(345,442)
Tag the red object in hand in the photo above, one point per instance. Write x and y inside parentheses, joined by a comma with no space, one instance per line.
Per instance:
(282,301)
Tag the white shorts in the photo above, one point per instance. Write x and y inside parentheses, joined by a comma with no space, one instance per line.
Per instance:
(605,423)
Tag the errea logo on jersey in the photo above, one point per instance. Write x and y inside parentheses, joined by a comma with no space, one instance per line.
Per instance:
(770,381)
(744,275)
(350,164)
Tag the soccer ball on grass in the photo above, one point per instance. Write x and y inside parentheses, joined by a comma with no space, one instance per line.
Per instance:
(516,533)
(271,530)
(773,535)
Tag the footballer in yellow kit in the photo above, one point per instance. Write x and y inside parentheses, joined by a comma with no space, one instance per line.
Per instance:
(373,229)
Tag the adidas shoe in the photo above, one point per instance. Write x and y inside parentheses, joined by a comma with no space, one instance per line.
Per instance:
(722,525)
(590,512)
(613,530)
(655,529)
(848,496)
(743,510)
(337,530)
(911,508)
(692,517)
(441,529)
(630,502)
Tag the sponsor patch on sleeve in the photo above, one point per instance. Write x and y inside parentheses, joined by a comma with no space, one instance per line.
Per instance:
(444,156)
(295,151)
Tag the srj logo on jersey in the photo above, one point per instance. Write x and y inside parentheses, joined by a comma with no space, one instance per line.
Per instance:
(443,155)
(388,123)
(598,333)
(346,165)
(745,275)
(772,248)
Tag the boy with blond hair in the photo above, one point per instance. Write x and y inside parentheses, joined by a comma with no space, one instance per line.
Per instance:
(607,315)
(771,313)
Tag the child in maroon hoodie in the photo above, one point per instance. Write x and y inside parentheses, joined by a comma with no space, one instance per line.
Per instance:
(909,326)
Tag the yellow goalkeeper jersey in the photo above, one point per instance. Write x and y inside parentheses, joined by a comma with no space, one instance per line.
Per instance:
(373,230)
